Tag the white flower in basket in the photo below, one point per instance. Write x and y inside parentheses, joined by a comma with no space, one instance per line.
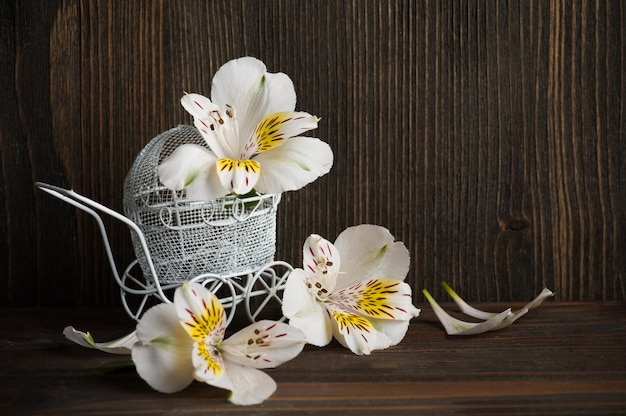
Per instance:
(206,199)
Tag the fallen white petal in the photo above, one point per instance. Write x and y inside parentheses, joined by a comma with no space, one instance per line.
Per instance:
(465,308)
(545,293)
(120,346)
(492,321)
(455,326)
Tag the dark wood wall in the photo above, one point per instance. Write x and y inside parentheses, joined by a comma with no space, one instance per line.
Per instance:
(489,136)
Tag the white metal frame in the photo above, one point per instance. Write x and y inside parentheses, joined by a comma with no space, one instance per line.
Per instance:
(239,288)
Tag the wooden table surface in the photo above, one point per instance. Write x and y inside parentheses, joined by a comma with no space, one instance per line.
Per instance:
(560,359)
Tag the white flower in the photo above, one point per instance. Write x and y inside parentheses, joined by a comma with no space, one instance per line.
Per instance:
(184,341)
(360,297)
(252,132)
(490,321)
(175,343)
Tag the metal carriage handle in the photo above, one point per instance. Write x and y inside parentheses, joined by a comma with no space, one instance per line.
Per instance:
(91,207)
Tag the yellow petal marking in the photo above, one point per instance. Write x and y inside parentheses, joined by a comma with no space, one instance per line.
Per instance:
(348,322)
(250,166)
(269,133)
(201,327)
(373,298)
(211,356)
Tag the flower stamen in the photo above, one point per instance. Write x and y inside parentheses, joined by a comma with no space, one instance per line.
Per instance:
(230,112)
(317,288)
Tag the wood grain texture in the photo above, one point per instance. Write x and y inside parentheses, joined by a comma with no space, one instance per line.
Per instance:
(488,136)
(560,359)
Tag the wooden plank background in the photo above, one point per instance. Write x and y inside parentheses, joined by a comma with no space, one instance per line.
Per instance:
(489,136)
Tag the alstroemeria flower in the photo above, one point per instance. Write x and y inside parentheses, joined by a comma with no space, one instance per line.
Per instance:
(252,133)
(352,289)
(175,343)
(490,321)
(184,341)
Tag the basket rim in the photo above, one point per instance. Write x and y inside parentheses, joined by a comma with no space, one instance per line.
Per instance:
(229,209)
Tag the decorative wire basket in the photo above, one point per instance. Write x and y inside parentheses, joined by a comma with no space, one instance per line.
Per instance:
(185,238)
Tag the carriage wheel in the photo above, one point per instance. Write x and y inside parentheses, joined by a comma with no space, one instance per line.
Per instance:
(136,292)
(267,285)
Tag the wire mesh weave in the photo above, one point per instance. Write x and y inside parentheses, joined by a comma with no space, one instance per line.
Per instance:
(186,238)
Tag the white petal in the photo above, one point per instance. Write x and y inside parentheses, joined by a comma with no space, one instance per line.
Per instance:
(264,344)
(393,330)
(356,332)
(378,299)
(120,346)
(493,321)
(193,167)
(239,176)
(281,94)
(296,163)
(222,139)
(465,308)
(245,85)
(213,123)
(321,258)
(206,188)
(288,124)
(161,369)
(369,251)
(304,312)
(316,325)
(248,385)
(200,312)
(296,296)
(234,80)
(161,323)
(545,293)
(276,128)
(163,355)
(198,105)
(455,326)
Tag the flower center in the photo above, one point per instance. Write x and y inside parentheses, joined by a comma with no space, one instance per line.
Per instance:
(220,120)
(317,288)
(222,126)
(259,340)
(211,356)
(322,264)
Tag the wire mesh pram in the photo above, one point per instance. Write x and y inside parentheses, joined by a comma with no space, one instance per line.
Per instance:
(186,237)
(228,245)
